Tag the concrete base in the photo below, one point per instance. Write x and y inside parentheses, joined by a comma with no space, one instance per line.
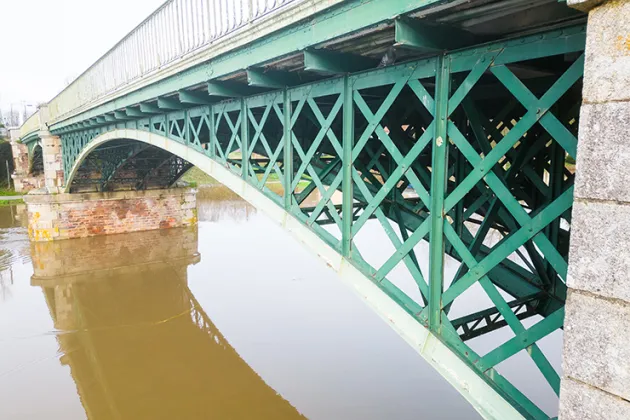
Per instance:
(65,216)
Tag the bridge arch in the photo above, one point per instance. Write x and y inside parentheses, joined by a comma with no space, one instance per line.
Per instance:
(36,161)
(475,389)
(125,163)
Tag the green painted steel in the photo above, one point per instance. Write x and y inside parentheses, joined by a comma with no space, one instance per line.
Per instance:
(333,62)
(347,170)
(455,150)
(31,139)
(439,172)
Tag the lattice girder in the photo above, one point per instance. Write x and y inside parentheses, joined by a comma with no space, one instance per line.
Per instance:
(460,153)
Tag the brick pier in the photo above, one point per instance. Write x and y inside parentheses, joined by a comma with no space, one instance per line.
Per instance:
(65,216)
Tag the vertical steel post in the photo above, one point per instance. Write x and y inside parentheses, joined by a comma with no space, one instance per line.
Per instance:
(167,129)
(244,140)
(288,149)
(556,181)
(213,137)
(8,175)
(439,164)
(187,135)
(347,184)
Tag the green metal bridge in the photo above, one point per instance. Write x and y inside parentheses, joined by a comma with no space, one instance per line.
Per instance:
(446,123)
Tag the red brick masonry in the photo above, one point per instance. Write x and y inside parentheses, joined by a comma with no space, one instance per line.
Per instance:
(65,216)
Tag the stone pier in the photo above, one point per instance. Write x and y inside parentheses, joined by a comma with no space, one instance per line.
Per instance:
(53,162)
(23,180)
(64,216)
(596,360)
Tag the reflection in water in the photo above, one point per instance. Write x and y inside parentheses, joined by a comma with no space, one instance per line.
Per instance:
(138,344)
(108,327)
(15,245)
(221,203)
(13,217)
(6,281)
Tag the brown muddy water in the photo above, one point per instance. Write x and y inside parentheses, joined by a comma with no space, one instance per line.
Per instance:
(233,320)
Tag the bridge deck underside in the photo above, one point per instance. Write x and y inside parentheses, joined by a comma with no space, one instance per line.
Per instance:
(128,165)
(469,153)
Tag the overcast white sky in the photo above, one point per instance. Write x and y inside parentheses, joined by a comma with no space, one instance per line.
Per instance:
(44,44)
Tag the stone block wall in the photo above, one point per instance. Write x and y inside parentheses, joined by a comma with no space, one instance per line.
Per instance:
(22,181)
(66,216)
(24,184)
(596,358)
(53,163)
(20,158)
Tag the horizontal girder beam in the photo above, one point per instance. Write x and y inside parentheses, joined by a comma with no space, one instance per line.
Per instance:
(272,79)
(430,38)
(333,62)
(136,112)
(121,115)
(150,109)
(227,89)
(194,98)
(169,104)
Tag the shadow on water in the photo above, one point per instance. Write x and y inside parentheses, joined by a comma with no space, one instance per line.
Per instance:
(137,342)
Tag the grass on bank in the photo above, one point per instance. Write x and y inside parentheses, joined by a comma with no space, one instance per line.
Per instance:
(8,192)
(197,178)
(4,203)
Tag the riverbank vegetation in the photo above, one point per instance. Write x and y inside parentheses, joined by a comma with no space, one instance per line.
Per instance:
(196,177)
(4,191)
(4,203)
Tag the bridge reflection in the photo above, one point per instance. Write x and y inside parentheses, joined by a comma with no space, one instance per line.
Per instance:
(218,203)
(136,340)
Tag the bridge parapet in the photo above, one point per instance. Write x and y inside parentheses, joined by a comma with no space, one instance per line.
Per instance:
(14,134)
(37,122)
(183,34)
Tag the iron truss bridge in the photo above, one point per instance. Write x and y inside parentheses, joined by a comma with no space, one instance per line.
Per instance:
(448,128)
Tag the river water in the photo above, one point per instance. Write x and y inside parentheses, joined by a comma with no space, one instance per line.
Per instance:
(232,320)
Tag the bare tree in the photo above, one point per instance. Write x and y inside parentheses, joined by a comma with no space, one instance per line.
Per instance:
(14,119)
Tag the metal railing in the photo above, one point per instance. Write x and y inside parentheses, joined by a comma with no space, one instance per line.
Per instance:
(176,29)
